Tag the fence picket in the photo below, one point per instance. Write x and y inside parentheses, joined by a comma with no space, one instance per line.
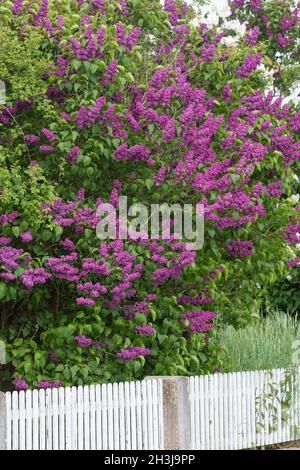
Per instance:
(15,427)
(28,404)
(22,421)
(110,417)
(42,416)
(122,417)
(127,417)
(132,390)
(230,412)
(144,416)
(225,397)
(139,416)
(86,417)
(116,423)
(55,424)
(61,419)
(104,418)
(220,411)
(98,418)
(68,418)
(211,411)
(74,418)
(49,414)
(35,423)
(239,427)
(155,423)
(248,400)
(193,414)
(93,416)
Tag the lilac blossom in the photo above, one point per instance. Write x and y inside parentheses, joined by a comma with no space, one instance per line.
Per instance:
(20,384)
(132,352)
(144,330)
(83,341)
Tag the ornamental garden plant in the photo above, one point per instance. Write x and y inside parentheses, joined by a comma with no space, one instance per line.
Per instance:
(137,98)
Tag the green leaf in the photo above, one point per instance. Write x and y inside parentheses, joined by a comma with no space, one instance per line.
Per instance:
(130,77)
(136,366)
(18,272)
(76,64)
(140,318)
(90,172)
(181,370)
(94,68)
(46,235)
(151,128)
(149,183)
(235,178)
(16,231)
(3,290)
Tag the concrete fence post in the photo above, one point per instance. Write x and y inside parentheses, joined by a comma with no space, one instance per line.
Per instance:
(176,412)
(2,421)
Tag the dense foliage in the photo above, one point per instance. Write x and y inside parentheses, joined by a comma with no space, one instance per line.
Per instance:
(130,97)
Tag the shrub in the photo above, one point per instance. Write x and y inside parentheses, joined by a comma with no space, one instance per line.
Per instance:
(138,102)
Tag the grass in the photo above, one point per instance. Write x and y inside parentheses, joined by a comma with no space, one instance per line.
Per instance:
(265,345)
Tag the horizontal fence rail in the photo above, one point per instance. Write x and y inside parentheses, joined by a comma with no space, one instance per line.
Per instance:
(219,412)
(122,416)
(245,409)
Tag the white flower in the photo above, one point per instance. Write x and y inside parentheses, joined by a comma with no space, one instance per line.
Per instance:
(2,92)
(296,178)
(294,199)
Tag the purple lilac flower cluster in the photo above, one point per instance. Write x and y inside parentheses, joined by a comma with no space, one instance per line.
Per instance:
(199,320)
(8,113)
(130,40)
(73,154)
(239,248)
(20,384)
(144,330)
(132,352)
(87,117)
(249,65)
(110,73)
(226,93)
(252,37)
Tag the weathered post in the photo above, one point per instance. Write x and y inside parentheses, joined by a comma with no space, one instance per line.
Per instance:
(2,421)
(176,412)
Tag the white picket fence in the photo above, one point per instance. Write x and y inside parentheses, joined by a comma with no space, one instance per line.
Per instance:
(244,410)
(225,411)
(121,416)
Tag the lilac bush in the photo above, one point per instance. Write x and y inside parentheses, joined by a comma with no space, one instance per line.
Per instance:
(137,101)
